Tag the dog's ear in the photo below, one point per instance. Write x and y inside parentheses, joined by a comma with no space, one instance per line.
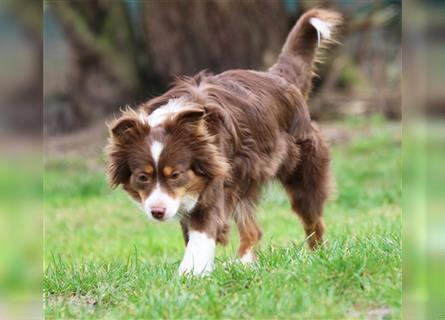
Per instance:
(126,128)
(118,170)
(190,115)
(120,126)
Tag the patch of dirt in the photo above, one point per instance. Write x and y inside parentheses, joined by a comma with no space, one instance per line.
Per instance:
(86,142)
(377,313)
(75,302)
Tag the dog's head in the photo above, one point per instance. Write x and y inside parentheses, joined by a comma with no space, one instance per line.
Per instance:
(164,160)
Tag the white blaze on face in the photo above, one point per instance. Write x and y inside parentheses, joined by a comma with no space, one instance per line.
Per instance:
(156,149)
(161,199)
(199,255)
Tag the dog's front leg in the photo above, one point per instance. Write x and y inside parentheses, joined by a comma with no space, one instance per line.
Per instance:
(200,234)
(199,254)
(203,229)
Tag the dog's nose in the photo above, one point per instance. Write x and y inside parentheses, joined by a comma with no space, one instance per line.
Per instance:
(158,212)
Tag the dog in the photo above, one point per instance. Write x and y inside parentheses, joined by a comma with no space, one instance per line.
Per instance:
(202,151)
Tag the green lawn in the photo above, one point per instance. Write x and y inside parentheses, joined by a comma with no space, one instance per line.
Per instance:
(103,259)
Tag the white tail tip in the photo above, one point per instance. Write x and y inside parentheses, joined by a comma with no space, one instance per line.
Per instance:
(323,28)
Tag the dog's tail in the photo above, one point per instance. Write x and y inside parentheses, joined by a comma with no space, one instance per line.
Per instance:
(313,32)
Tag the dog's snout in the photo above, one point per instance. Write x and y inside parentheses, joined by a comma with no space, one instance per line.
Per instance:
(160,206)
(158,212)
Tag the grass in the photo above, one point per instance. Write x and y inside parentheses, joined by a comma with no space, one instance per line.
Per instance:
(104,260)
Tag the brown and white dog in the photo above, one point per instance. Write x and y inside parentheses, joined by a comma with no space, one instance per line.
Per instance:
(202,151)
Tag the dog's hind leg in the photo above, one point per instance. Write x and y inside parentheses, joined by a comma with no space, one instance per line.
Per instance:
(308,186)
(249,230)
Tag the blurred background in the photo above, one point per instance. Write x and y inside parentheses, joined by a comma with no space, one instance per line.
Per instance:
(101,55)
(21,162)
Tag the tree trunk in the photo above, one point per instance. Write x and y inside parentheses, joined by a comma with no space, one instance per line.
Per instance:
(185,37)
(112,66)
(104,71)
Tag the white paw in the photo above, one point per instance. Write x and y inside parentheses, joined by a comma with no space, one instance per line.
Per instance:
(199,255)
(197,269)
(248,257)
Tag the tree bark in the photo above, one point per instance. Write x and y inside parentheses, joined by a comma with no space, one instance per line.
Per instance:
(185,37)
(104,71)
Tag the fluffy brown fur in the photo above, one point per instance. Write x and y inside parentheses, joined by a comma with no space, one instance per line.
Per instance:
(237,130)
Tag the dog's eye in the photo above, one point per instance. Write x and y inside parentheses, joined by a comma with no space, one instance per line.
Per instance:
(175,175)
(142,178)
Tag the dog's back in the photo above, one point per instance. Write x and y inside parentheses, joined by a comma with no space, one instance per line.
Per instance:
(263,112)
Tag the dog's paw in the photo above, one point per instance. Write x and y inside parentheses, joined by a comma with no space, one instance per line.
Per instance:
(248,257)
(195,268)
(199,255)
